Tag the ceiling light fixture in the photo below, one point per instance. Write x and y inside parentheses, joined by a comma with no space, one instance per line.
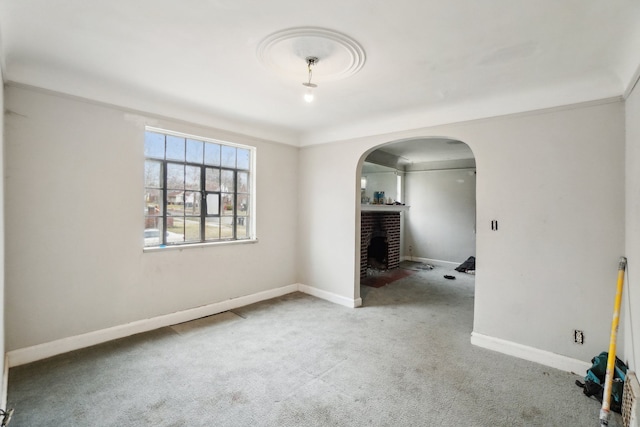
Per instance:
(308,96)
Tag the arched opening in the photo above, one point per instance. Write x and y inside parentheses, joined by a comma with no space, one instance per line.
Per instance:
(417,210)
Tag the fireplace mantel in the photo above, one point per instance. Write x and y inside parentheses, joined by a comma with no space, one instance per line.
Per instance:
(384,208)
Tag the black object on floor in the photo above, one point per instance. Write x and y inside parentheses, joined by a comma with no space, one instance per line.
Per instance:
(468,265)
(446,276)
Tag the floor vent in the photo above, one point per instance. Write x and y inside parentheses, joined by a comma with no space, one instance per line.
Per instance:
(629,400)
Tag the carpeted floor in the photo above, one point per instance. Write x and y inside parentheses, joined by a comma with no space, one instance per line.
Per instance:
(403,359)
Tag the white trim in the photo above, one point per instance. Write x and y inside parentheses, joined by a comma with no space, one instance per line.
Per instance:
(149,249)
(167,113)
(416,121)
(330,296)
(531,354)
(37,352)
(42,351)
(466,168)
(384,208)
(438,262)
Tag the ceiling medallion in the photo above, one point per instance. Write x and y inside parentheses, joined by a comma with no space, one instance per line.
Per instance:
(283,51)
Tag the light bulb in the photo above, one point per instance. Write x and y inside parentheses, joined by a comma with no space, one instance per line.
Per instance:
(308,96)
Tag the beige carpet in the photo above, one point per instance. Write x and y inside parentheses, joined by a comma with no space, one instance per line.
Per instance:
(403,359)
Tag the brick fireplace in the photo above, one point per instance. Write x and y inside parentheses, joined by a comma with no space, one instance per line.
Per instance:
(379,230)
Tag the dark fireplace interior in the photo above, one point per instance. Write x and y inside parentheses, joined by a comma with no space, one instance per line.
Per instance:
(377,252)
(380,241)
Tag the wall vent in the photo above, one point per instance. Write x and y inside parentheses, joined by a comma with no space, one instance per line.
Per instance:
(630,397)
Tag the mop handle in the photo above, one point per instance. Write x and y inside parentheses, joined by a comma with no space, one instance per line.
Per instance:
(611,359)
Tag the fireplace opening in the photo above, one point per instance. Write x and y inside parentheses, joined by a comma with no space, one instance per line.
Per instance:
(378,253)
(379,241)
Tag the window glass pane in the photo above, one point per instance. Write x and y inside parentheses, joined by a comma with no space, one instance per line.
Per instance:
(227,182)
(152,174)
(192,229)
(212,229)
(173,237)
(213,204)
(175,176)
(154,145)
(212,182)
(195,151)
(192,178)
(212,154)
(243,182)
(153,201)
(243,205)
(228,156)
(227,204)
(175,148)
(244,157)
(242,227)
(192,203)
(175,225)
(152,231)
(175,203)
(226,227)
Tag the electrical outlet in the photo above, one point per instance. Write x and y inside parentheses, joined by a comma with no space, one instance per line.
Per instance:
(578,336)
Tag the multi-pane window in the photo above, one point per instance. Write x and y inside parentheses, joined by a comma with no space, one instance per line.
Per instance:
(196,190)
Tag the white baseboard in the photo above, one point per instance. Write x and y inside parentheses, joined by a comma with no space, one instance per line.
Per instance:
(531,354)
(330,296)
(437,262)
(53,348)
(42,351)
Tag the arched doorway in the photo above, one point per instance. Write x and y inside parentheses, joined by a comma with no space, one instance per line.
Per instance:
(426,187)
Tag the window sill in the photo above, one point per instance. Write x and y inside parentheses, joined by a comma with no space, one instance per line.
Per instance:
(198,245)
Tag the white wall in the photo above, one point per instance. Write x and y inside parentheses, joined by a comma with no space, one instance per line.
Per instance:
(75,219)
(329,196)
(440,224)
(74,260)
(631,299)
(554,179)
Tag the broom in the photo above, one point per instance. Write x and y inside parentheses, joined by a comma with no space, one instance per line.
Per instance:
(611,359)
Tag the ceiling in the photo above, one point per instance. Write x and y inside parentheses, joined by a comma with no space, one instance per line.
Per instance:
(424,62)
(418,151)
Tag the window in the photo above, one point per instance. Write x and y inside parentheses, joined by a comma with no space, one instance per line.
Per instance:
(197,190)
